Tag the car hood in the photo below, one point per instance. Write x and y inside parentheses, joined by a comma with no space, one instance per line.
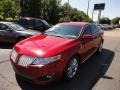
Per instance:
(30,32)
(44,45)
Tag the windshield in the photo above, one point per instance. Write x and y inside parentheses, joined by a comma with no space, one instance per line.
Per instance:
(16,27)
(67,31)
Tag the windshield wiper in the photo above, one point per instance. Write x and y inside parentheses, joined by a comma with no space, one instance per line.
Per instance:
(71,36)
(55,35)
(60,36)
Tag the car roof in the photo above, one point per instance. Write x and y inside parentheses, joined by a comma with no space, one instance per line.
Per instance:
(6,22)
(30,18)
(75,23)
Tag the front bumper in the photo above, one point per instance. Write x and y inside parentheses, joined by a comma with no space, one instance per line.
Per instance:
(40,74)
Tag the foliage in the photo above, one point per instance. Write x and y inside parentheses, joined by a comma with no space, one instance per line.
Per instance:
(9,8)
(64,19)
(105,20)
(75,14)
(116,20)
(50,10)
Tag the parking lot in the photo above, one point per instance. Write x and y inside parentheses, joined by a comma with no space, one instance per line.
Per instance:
(101,72)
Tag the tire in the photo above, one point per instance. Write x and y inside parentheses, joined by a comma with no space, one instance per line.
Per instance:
(100,48)
(71,69)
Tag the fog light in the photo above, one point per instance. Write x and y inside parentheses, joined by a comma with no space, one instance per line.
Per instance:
(46,77)
(49,76)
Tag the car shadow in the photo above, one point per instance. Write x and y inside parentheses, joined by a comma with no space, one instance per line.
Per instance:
(6,45)
(86,78)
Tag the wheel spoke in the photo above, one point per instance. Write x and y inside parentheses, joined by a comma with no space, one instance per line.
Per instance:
(72,69)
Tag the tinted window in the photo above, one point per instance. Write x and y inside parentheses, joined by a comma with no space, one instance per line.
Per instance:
(23,22)
(26,23)
(38,23)
(87,30)
(16,26)
(64,31)
(31,24)
(3,27)
(94,29)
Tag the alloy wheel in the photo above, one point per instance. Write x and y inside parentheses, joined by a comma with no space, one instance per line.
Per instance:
(72,68)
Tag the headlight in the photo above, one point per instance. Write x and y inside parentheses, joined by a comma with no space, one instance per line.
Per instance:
(13,55)
(43,61)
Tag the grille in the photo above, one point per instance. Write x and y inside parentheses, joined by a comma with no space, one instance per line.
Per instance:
(14,55)
(26,60)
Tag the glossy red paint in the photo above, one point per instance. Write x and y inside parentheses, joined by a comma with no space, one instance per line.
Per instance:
(48,46)
(42,45)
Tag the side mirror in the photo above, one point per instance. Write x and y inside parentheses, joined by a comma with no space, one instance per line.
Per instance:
(8,30)
(87,36)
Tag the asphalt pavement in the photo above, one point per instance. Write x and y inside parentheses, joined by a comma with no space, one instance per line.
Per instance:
(100,72)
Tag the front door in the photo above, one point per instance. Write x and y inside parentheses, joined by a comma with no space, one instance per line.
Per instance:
(2,32)
(5,36)
(87,47)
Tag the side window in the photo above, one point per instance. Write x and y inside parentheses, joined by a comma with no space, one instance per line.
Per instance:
(87,30)
(94,29)
(38,23)
(3,27)
(23,22)
(31,24)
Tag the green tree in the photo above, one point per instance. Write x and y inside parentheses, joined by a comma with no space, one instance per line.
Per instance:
(116,20)
(105,20)
(5,8)
(64,19)
(9,8)
(65,10)
(44,9)
(31,8)
(15,10)
(52,11)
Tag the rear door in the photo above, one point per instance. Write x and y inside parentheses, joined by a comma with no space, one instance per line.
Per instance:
(86,44)
(96,36)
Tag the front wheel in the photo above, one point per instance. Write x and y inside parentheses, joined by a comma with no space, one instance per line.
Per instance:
(71,69)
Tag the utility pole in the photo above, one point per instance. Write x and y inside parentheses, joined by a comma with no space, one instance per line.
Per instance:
(92,14)
(88,7)
(99,7)
(99,16)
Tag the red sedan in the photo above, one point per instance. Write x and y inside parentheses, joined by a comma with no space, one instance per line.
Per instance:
(57,53)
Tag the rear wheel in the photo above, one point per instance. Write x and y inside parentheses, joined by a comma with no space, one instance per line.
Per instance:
(100,47)
(71,69)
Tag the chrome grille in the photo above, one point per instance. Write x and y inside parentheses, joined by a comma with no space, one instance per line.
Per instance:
(26,60)
(14,55)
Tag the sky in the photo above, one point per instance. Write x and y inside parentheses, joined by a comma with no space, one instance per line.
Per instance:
(112,8)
